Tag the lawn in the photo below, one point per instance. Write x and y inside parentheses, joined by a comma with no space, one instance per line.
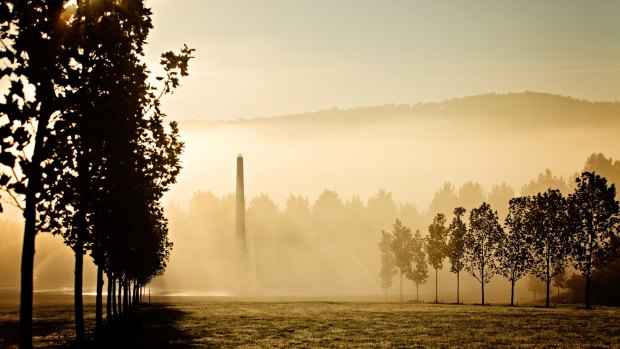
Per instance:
(334,324)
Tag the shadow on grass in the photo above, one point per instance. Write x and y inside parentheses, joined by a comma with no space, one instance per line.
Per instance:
(151,326)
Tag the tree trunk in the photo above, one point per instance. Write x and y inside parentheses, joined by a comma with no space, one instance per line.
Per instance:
(457,288)
(548,282)
(512,292)
(436,281)
(588,306)
(25,302)
(482,283)
(77,288)
(99,301)
(114,298)
(401,288)
(119,296)
(125,300)
(108,303)
(417,292)
(386,294)
(30,229)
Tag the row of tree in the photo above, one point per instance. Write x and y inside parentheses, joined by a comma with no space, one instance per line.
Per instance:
(542,235)
(85,151)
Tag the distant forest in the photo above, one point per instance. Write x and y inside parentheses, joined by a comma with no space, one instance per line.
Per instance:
(333,241)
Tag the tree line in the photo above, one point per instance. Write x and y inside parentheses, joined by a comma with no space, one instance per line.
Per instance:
(542,234)
(85,151)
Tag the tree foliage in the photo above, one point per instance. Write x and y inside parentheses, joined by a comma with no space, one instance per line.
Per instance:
(388,267)
(418,271)
(548,222)
(482,242)
(594,212)
(513,254)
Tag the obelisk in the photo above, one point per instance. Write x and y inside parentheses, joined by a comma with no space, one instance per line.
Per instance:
(240,208)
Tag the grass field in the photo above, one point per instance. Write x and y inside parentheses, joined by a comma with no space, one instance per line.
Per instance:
(332,324)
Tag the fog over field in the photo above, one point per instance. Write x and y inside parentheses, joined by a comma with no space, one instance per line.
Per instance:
(376,163)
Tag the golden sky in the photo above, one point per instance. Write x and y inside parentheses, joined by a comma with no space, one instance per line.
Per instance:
(272,57)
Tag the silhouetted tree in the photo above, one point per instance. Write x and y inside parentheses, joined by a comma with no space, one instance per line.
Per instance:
(543,182)
(436,245)
(456,246)
(513,254)
(410,215)
(534,284)
(576,285)
(594,211)
(604,166)
(418,272)
(482,241)
(381,208)
(499,198)
(444,200)
(402,249)
(327,206)
(547,220)
(559,281)
(388,267)
(32,37)
(471,194)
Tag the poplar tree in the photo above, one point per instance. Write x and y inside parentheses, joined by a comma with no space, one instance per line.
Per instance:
(388,267)
(418,272)
(514,252)
(548,222)
(482,242)
(402,249)
(456,246)
(32,45)
(436,245)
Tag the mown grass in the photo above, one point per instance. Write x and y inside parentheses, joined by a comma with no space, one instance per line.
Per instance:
(341,324)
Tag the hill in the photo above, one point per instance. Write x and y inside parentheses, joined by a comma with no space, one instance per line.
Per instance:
(521,110)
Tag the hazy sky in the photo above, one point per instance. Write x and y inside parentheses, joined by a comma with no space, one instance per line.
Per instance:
(271,57)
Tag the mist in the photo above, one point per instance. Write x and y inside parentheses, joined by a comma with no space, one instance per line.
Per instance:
(320,187)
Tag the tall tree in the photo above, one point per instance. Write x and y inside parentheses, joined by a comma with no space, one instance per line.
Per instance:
(456,246)
(482,242)
(436,245)
(513,254)
(547,219)
(402,249)
(388,267)
(594,211)
(418,272)
(32,42)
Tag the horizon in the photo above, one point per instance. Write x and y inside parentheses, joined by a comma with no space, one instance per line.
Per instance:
(410,104)
(281,58)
